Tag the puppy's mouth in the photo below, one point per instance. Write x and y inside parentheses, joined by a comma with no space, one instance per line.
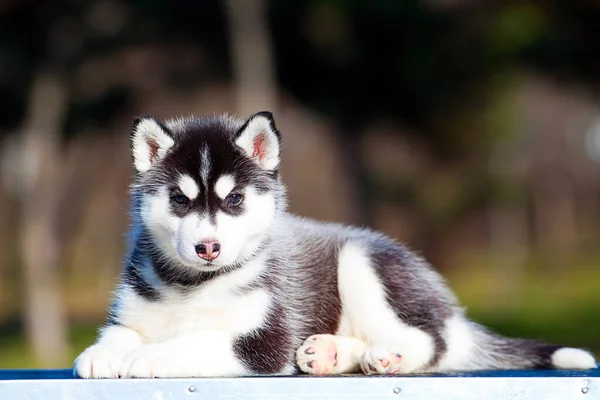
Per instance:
(207,266)
(199,264)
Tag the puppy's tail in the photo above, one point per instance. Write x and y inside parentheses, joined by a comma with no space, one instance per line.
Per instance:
(498,352)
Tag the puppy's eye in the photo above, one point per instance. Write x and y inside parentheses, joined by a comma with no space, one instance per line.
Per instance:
(180,199)
(234,199)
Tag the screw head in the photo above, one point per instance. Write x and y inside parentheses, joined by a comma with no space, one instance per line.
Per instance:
(396,390)
(192,389)
(585,390)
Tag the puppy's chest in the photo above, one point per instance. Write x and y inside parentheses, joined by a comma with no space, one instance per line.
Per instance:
(217,306)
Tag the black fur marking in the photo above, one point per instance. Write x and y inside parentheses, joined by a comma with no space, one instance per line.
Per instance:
(179,275)
(513,353)
(268,349)
(133,277)
(112,318)
(324,305)
(415,305)
(539,355)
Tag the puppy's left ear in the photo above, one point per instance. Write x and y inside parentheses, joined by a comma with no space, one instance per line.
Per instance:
(260,140)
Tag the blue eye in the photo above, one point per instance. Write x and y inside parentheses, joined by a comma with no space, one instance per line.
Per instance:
(180,199)
(234,199)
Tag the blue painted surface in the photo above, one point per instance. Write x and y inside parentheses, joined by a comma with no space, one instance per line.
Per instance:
(7,374)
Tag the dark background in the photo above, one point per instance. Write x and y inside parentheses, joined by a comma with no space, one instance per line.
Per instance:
(468,129)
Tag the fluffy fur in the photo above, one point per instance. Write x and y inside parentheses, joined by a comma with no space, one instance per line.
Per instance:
(284,294)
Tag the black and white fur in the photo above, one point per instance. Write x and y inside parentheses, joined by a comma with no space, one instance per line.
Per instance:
(284,293)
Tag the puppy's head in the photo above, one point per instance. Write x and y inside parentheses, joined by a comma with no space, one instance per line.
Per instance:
(207,189)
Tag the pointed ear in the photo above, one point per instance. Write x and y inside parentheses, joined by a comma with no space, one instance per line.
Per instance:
(260,140)
(150,140)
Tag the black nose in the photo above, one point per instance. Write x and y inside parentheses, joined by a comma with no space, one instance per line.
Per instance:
(208,250)
(200,249)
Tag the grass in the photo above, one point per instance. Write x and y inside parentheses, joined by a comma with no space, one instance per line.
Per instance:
(14,353)
(559,306)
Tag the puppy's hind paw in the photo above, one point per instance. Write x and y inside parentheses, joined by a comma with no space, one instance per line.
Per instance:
(379,360)
(318,355)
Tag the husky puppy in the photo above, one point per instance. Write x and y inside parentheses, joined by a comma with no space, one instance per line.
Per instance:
(221,281)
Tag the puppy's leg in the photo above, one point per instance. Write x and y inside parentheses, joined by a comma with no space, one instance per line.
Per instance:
(205,353)
(268,349)
(395,345)
(330,354)
(103,359)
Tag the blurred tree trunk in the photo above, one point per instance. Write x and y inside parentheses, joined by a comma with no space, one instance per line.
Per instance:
(40,181)
(252,56)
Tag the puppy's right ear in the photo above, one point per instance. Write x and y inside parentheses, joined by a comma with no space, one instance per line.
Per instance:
(150,141)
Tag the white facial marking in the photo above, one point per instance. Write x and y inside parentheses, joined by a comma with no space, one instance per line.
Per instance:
(156,214)
(188,186)
(224,186)
(193,229)
(205,168)
(240,235)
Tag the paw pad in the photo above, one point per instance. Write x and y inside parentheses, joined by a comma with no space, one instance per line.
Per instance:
(310,350)
(378,360)
(318,355)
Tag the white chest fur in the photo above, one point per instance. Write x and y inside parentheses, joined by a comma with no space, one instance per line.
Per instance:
(220,304)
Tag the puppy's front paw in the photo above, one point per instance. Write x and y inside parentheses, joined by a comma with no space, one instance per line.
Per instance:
(100,361)
(161,360)
(379,360)
(143,362)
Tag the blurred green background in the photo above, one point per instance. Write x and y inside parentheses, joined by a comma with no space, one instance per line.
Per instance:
(468,129)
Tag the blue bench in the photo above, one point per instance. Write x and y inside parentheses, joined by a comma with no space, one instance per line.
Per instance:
(520,385)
